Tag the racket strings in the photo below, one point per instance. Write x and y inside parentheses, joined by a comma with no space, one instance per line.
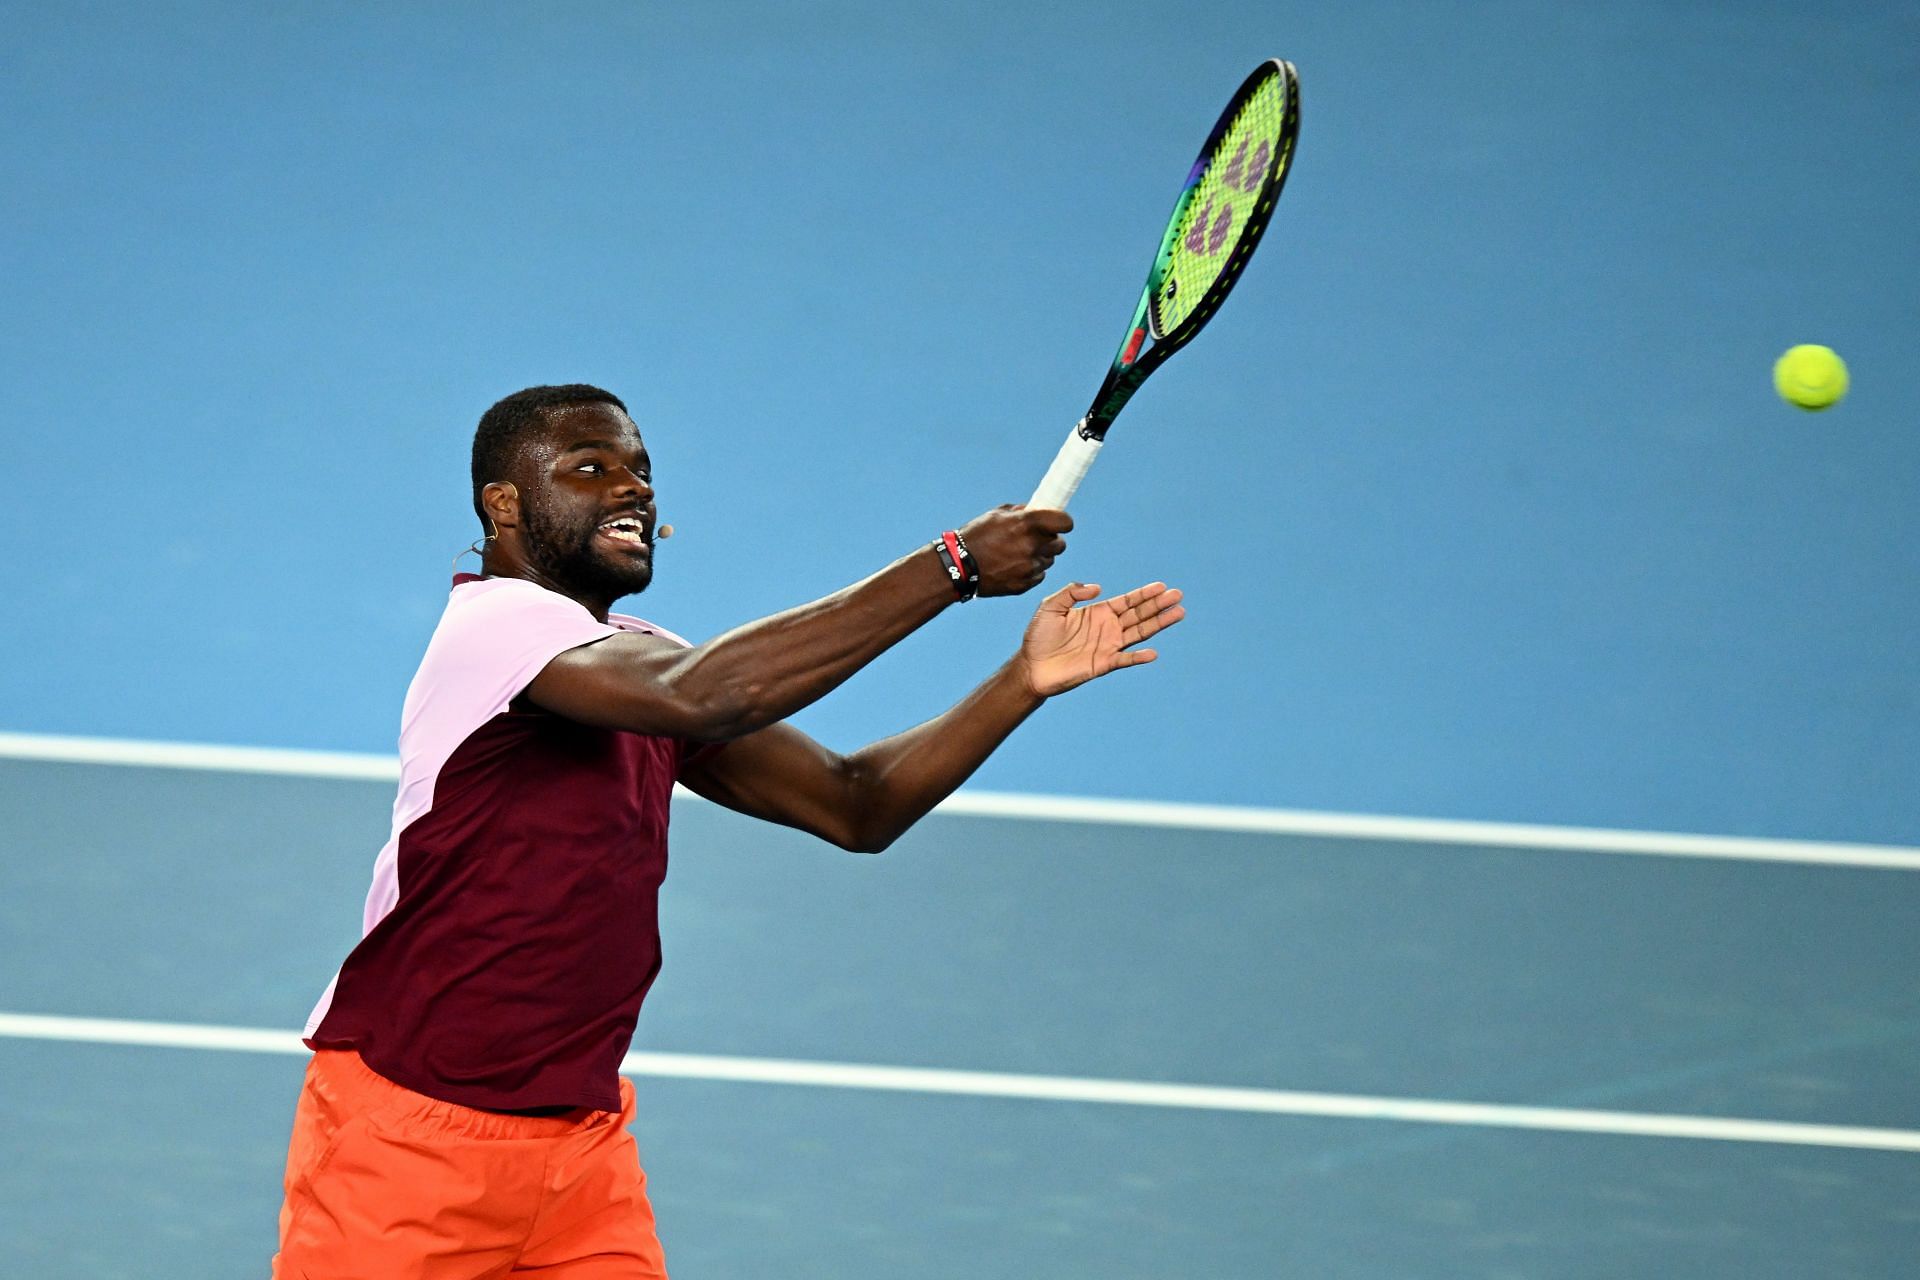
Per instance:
(1223,202)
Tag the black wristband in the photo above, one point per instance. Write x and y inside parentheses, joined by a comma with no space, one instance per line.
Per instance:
(959,564)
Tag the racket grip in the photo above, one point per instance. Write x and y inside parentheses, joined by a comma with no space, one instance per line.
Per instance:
(1069,468)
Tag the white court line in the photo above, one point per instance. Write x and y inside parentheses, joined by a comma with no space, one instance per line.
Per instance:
(999,804)
(192,755)
(992,1084)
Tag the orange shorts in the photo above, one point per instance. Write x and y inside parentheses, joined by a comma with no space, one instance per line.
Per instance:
(383,1182)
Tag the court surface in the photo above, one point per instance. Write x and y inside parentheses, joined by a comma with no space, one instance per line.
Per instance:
(1312,984)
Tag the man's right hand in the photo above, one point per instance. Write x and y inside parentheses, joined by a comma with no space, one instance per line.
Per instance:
(1013,547)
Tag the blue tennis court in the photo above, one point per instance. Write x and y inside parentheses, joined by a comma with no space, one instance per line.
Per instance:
(165,901)
(1479,488)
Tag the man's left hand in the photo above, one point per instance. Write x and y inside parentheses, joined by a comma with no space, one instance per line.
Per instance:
(1070,642)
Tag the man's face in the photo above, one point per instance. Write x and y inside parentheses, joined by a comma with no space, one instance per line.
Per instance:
(587,514)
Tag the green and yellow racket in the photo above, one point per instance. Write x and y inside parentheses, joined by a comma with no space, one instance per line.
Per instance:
(1218,219)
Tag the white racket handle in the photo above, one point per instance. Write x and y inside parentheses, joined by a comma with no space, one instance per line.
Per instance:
(1070,467)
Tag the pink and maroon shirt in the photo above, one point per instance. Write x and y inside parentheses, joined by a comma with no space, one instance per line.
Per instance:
(511,931)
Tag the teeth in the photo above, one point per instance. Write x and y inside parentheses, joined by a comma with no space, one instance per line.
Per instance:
(626,529)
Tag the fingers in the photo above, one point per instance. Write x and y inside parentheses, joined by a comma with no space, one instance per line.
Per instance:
(1149,596)
(1151,627)
(1155,607)
(1133,599)
(1014,548)
(1063,601)
(1145,602)
(1060,601)
(1047,527)
(1048,519)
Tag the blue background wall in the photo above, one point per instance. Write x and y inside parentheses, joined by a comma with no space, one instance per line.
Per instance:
(1479,488)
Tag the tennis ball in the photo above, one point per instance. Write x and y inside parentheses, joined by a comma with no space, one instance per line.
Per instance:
(1810,376)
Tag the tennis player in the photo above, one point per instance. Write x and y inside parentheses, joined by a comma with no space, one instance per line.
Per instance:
(463,1115)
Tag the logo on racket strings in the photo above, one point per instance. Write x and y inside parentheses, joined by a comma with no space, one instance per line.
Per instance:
(1209,231)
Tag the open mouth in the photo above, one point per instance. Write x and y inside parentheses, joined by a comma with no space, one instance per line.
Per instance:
(627,530)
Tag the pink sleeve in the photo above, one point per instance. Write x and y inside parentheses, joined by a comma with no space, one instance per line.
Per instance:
(498,634)
(496,637)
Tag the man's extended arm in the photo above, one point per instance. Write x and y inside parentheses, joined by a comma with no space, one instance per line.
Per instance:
(763,672)
(864,801)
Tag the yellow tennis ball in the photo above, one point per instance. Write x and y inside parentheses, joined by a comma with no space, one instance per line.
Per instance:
(1812,377)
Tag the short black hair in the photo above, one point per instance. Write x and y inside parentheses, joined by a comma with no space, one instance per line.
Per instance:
(497,438)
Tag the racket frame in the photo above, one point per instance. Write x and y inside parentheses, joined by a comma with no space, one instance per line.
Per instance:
(1137,358)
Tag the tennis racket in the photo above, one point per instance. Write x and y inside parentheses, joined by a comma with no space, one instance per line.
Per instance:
(1216,223)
